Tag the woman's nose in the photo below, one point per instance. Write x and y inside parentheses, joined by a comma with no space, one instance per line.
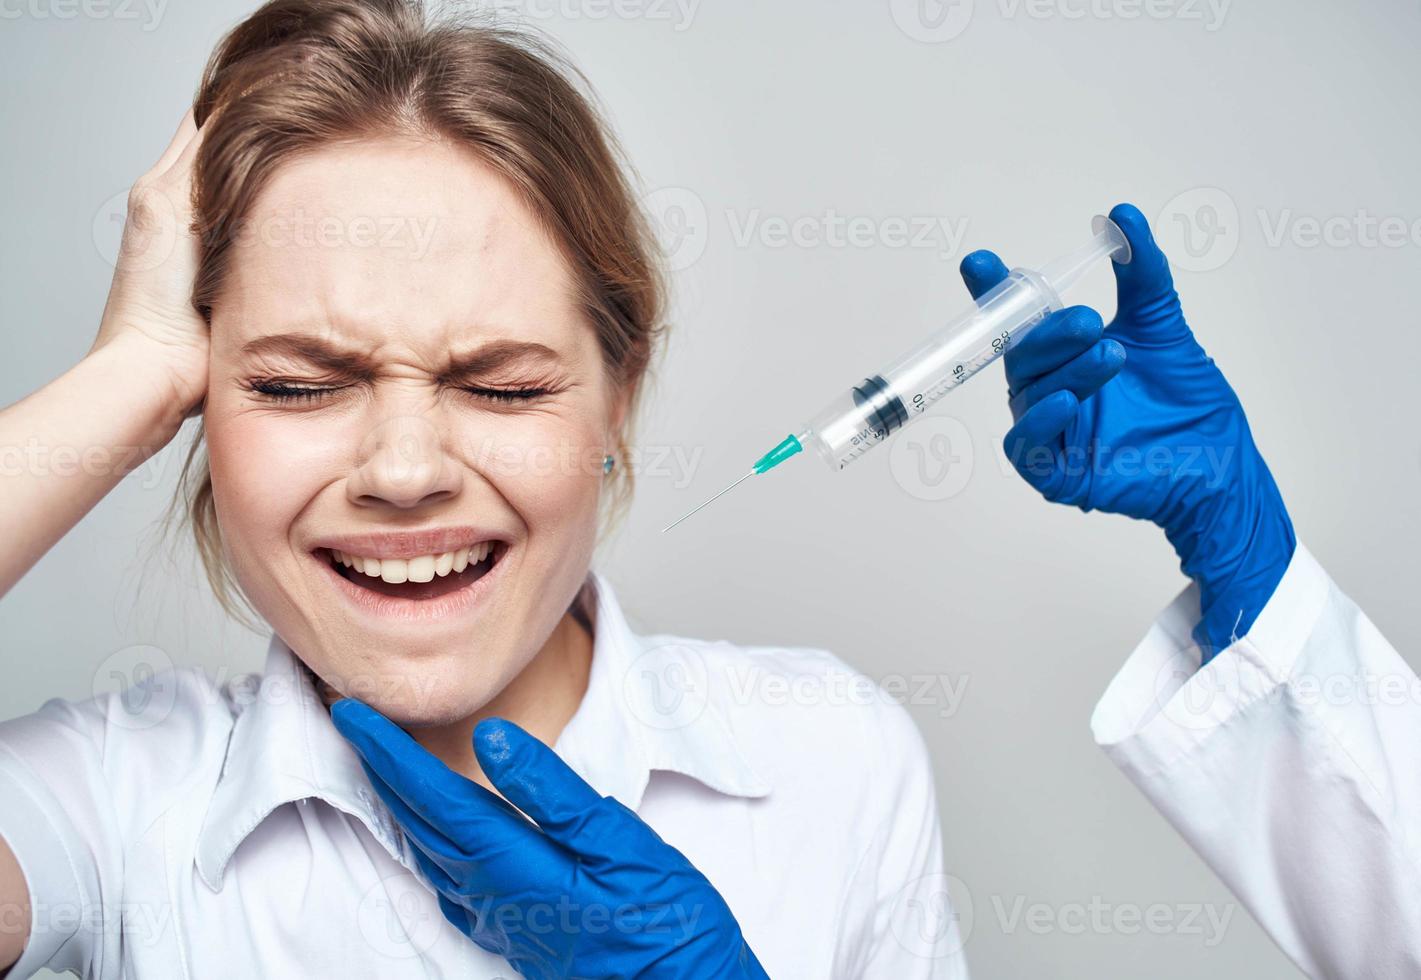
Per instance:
(402,463)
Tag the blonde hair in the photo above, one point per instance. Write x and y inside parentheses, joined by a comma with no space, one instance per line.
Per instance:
(298,74)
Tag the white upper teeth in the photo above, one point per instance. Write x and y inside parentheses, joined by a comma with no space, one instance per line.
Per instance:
(421,569)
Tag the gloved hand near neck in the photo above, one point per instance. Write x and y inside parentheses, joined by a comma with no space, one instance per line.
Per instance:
(581,888)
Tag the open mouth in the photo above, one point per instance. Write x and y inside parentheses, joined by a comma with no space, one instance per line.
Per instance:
(425,577)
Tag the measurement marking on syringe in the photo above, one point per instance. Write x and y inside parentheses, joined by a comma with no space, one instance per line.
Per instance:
(961,371)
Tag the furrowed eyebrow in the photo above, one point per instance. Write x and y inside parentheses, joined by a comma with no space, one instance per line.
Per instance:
(487,359)
(499,354)
(315,350)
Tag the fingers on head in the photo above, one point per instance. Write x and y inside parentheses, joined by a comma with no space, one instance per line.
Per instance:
(180,173)
(182,139)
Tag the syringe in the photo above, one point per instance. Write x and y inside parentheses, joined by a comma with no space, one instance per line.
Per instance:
(869,412)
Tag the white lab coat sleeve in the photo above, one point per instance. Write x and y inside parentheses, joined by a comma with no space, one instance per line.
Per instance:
(1292,763)
(913,927)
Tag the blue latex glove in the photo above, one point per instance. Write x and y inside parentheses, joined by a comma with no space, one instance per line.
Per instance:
(588,891)
(1164,441)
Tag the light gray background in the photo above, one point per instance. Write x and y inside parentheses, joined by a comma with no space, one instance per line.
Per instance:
(1020,120)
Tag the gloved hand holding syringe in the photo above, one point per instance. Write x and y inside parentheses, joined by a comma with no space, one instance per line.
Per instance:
(882,404)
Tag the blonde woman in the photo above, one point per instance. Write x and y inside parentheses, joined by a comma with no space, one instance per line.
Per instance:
(399,270)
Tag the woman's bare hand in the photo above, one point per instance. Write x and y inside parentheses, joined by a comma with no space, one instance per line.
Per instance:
(149,307)
(127,398)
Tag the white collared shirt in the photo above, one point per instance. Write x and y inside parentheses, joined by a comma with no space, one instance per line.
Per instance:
(186,830)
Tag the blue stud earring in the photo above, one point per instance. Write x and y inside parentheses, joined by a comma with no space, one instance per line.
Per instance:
(607,463)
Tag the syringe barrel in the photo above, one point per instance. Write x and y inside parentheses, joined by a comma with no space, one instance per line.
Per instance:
(869,412)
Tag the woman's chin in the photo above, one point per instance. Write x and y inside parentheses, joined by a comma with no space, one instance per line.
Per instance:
(413,688)
(433,708)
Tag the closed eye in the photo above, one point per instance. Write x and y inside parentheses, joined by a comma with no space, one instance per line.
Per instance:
(507,394)
(284,391)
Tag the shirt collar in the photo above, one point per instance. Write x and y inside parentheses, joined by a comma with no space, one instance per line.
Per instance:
(649,706)
(283,748)
(652,703)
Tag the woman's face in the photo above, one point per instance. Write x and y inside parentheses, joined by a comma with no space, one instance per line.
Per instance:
(402,380)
